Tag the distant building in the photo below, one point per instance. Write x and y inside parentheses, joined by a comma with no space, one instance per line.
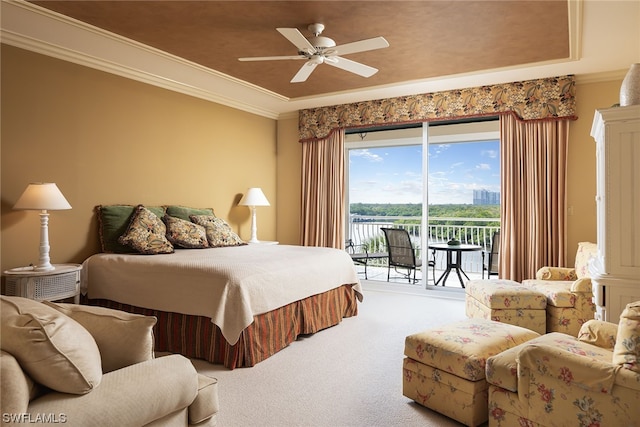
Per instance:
(484,197)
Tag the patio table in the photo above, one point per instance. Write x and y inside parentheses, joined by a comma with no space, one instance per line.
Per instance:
(453,263)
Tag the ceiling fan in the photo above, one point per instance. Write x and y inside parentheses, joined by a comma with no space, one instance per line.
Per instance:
(319,49)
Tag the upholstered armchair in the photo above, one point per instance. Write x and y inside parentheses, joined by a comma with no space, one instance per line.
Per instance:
(91,366)
(569,292)
(560,380)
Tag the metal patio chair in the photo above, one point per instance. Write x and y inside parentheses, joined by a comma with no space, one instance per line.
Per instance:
(491,266)
(361,255)
(402,255)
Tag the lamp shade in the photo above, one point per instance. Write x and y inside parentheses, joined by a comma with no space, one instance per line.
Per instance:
(254,197)
(42,196)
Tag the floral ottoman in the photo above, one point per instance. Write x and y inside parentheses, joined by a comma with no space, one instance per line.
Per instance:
(444,368)
(506,301)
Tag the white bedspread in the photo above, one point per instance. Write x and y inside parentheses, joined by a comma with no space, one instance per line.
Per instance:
(230,285)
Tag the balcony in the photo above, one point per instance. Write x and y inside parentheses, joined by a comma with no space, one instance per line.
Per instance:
(366,230)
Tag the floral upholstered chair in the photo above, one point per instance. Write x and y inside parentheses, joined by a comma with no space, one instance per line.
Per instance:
(560,380)
(569,292)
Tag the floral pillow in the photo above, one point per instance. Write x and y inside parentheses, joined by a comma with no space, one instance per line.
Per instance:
(219,233)
(185,234)
(146,233)
(627,349)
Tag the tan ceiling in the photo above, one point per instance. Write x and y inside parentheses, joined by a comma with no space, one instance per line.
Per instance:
(427,38)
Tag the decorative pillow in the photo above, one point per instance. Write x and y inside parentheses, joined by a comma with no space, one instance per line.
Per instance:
(123,338)
(627,349)
(219,233)
(184,212)
(586,251)
(146,233)
(51,348)
(185,234)
(599,333)
(112,223)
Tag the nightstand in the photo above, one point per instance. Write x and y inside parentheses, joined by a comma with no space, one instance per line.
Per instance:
(61,283)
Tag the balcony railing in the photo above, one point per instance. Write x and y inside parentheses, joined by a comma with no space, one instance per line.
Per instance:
(366,230)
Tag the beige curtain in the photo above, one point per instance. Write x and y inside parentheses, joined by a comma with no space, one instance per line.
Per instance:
(533,205)
(323,191)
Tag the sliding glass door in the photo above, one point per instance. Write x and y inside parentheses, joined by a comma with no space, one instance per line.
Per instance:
(429,180)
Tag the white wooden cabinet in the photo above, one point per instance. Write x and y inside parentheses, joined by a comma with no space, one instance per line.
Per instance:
(616,271)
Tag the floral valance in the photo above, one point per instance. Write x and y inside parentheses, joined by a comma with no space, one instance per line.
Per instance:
(547,98)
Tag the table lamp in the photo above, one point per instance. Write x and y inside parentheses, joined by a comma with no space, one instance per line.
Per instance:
(43,196)
(254,197)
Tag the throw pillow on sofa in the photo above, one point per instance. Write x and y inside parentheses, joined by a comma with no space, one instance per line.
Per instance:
(627,349)
(53,349)
(123,338)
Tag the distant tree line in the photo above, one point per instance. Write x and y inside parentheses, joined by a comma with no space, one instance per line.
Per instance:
(435,211)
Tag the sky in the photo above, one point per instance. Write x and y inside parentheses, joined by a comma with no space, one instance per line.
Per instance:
(394,174)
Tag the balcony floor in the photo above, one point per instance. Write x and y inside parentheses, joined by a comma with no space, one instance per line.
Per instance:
(379,274)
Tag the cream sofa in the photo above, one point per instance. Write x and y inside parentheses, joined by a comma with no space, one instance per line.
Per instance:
(569,292)
(91,366)
(560,380)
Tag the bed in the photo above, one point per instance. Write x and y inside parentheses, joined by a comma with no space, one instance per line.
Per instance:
(234,305)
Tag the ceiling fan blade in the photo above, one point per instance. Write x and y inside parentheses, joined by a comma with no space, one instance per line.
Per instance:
(272,58)
(304,72)
(351,66)
(361,46)
(296,37)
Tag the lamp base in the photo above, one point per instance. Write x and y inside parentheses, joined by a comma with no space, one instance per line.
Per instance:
(44,268)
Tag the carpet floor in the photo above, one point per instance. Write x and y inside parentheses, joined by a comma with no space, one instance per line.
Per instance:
(347,375)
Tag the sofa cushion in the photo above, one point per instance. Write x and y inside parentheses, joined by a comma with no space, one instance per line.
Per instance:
(184,212)
(558,292)
(185,234)
(122,338)
(146,233)
(502,369)
(155,393)
(219,233)
(626,352)
(113,221)
(53,349)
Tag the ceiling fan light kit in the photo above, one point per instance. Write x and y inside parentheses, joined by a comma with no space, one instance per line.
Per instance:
(319,49)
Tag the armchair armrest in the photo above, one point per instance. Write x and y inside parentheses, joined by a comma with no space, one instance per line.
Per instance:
(582,285)
(556,273)
(122,338)
(599,333)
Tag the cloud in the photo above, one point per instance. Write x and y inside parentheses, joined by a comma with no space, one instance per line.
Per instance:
(483,166)
(367,155)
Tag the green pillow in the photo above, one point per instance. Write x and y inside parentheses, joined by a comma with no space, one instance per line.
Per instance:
(113,221)
(183,212)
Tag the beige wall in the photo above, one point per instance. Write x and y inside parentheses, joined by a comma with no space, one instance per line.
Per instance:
(105,139)
(289,181)
(581,177)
